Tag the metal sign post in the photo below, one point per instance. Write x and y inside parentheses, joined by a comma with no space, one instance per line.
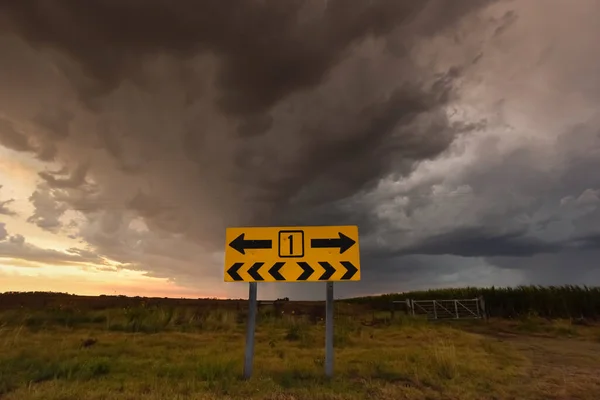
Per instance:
(329,331)
(250,328)
(291,254)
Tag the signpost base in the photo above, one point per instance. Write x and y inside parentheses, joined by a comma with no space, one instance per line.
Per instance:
(329,331)
(250,328)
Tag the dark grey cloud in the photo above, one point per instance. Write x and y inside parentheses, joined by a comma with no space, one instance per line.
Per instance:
(13,139)
(471,242)
(56,123)
(569,267)
(4,209)
(75,179)
(453,133)
(267,49)
(5,206)
(589,241)
(280,72)
(47,211)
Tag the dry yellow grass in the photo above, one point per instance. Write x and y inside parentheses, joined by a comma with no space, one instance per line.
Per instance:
(408,359)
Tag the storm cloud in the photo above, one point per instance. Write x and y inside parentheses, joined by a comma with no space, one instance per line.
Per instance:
(448,131)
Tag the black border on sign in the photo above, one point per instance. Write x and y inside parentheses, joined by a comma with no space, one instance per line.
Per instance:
(279,243)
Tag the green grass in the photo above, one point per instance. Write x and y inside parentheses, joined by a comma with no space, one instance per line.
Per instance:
(181,354)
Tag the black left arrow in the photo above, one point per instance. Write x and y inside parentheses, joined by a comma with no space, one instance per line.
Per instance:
(233,271)
(253,271)
(240,244)
(274,271)
(342,242)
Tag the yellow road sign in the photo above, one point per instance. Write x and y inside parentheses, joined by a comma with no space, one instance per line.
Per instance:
(292,254)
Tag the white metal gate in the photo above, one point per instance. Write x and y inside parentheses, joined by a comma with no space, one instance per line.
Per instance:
(447,309)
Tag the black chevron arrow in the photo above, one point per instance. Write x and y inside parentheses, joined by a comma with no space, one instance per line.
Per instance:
(329,270)
(233,271)
(350,270)
(253,271)
(307,271)
(274,271)
(343,243)
(240,244)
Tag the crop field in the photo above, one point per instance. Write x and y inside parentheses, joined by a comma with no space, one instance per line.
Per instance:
(545,301)
(69,347)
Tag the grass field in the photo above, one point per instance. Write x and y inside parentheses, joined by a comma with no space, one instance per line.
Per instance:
(109,354)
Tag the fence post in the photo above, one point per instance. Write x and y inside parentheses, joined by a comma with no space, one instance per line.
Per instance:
(456,308)
(434,310)
(481,303)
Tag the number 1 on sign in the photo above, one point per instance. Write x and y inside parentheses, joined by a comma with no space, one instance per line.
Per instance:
(295,246)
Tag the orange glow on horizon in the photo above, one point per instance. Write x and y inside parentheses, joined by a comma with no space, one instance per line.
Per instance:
(75,280)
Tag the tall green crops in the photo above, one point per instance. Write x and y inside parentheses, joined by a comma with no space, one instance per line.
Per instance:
(506,302)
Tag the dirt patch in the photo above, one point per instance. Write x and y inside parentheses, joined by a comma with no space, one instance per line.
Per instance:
(559,368)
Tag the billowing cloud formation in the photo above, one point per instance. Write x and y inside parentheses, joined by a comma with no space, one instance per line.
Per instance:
(16,247)
(266,49)
(443,129)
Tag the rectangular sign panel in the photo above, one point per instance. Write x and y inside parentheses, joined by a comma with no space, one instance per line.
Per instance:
(292,254)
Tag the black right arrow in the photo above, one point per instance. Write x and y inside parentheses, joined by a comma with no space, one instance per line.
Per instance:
(253,271)
(233,271)
(274,271)
(329,270)
(308,270)
(343,243)
(240,244)
(351,270)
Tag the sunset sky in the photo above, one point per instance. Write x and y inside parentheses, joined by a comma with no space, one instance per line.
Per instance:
(462,137)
